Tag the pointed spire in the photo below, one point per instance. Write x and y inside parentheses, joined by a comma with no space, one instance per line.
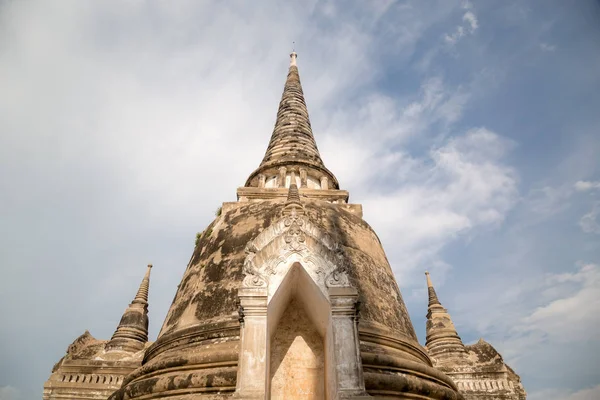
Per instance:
(292,146)
(142,294)
(132,332)
(442,340)
(433,299)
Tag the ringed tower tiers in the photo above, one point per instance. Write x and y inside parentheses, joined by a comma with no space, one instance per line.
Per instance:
(288,295)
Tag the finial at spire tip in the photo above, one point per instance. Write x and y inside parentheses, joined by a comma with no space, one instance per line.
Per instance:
(147,276)
(293,57)
(429,284)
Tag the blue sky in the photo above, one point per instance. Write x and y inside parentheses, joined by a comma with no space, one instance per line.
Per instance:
(468,131)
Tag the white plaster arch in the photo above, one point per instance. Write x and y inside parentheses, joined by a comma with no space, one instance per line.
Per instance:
(298,284)
(294,238)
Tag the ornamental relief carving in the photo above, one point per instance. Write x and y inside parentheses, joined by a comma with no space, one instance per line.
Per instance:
(294,238)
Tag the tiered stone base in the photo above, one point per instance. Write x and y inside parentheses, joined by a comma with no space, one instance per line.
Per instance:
(202,363)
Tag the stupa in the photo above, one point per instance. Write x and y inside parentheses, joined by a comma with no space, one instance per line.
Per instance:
(270,303)
(288,295)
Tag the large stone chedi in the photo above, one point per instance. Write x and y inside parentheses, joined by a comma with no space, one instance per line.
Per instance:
(269,304)
(288,295)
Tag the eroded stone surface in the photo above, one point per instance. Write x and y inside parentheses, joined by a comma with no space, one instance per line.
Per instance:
(208,289)
(297,358)
(89,371)
(205,311)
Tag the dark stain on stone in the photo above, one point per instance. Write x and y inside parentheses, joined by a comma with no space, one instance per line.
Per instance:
(177,311)
(210,380)
(214,300)
(213,272)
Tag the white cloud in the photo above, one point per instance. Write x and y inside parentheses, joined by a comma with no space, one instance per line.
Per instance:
(566,313)
(461,185)
(583,186)
(9,393)
(549,200)
(468,28)
(547,47)
(471,20)
(573,315)
(552,319)
(358,161)
(589,222)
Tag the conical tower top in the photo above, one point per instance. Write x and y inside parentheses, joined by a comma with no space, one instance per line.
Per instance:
(442,340)
(132,333)
(292,147)
(142,294)
(433,299)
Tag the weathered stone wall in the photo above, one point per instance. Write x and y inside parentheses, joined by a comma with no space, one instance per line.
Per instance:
(297,358)
(481,374)
(198,347)
(209,286)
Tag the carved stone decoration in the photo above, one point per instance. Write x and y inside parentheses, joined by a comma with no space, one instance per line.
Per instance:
(253,278)
(295,236)
(339,277)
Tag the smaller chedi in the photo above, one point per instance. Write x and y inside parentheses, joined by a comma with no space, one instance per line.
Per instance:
(478,369)
(94,369)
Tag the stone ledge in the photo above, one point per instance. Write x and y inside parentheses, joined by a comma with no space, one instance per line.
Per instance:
(253,193)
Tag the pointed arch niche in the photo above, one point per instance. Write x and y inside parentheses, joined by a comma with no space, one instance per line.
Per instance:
(299,343)
(298,324)
(298,333)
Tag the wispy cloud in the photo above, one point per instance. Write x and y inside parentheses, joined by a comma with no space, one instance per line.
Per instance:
(461,183)
(589,222)
(570,314)
(459,186)
(468,27)
(421,117)
(583,186)
(565,313)
(547,47)
(549,200)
